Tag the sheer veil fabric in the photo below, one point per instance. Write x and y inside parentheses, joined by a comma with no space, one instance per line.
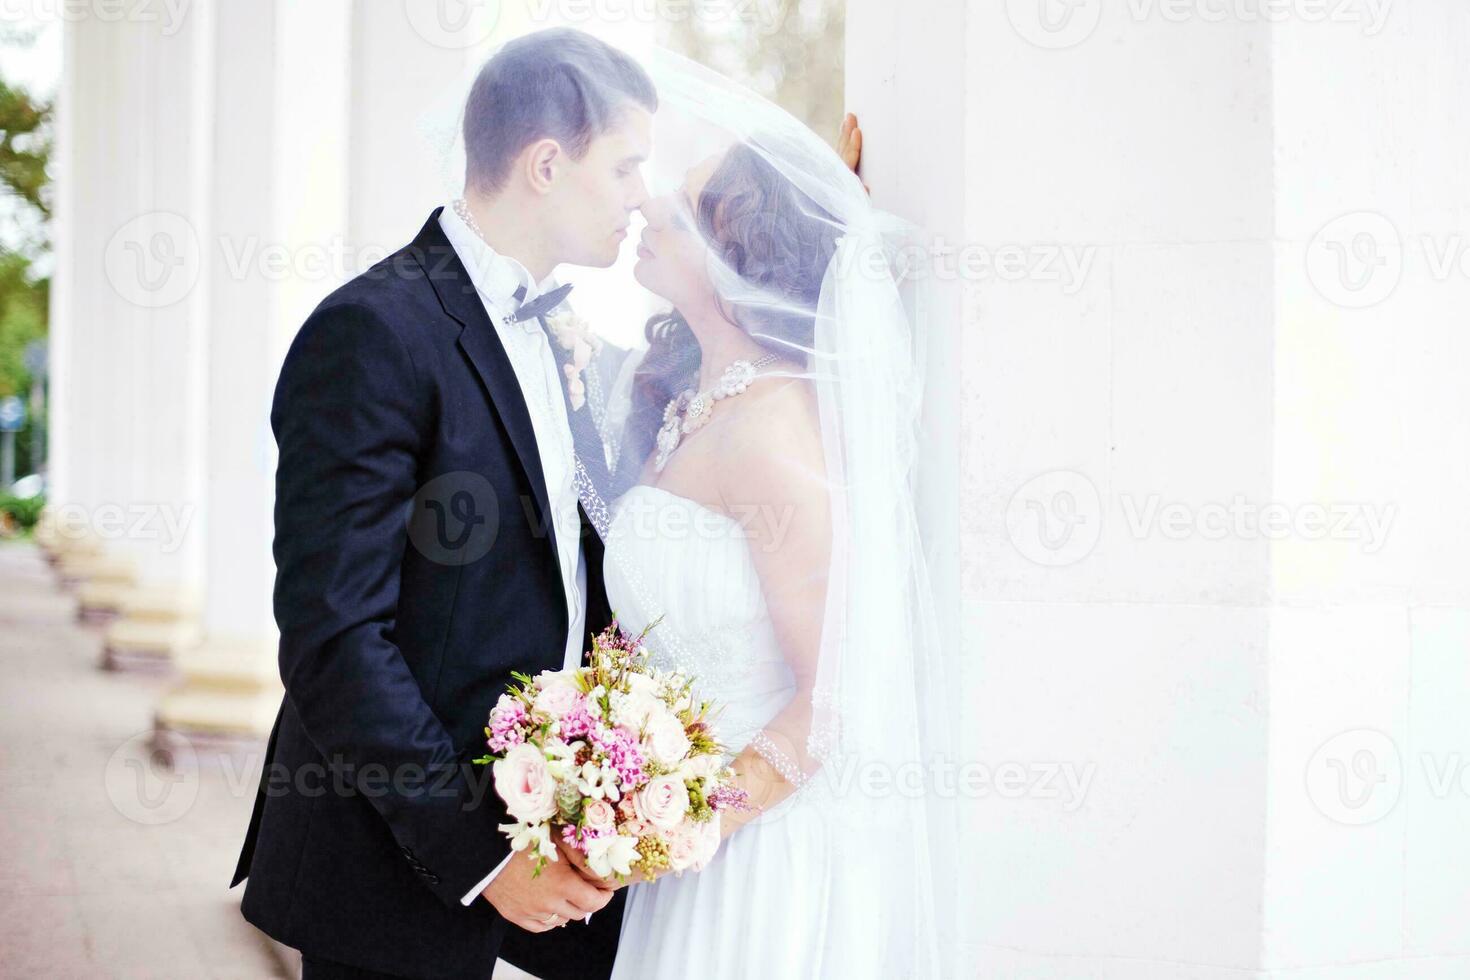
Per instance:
(798,596)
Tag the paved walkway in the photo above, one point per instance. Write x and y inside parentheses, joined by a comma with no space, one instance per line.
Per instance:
(109,866)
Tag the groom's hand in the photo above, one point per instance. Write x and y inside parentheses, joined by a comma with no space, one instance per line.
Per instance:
(551,899)
(576,859)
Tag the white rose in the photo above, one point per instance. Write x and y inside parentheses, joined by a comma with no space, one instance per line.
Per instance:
(631,710)
(665,738)
(663,801)
(643,684)
(525,784)
(702,766)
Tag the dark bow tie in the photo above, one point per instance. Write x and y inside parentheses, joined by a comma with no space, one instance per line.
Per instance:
(538,307)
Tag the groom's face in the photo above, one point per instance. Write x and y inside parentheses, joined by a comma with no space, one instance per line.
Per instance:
(593,197)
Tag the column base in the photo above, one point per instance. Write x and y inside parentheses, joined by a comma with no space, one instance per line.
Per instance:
(55,543)
(100,602)
(227,702)
(156,625)
(77,568)
(185,749)
(146,647)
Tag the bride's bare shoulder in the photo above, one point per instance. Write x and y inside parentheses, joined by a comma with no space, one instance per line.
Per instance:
(773,436)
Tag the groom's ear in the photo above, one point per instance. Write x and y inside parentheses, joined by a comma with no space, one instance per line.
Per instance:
(544,160)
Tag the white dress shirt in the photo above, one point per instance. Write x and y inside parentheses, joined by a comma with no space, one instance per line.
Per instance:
(496,277)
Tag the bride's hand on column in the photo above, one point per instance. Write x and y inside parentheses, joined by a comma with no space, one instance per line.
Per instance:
(850,144)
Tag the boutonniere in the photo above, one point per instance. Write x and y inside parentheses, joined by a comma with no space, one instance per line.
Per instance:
(574,335)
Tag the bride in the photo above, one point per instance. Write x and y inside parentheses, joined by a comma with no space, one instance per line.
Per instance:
(758,504)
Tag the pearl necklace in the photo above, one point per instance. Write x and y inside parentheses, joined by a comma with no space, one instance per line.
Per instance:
(689,411)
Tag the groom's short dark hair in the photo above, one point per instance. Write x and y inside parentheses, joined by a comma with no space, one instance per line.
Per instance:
(558,83)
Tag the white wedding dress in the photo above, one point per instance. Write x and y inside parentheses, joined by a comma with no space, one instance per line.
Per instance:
(758,909)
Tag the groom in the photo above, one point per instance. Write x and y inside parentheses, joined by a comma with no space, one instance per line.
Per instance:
(429,541)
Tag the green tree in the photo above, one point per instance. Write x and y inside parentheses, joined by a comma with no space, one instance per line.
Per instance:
(25,146)
(25,152)
(22,320)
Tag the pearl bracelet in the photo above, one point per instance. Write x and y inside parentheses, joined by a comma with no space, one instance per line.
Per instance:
(779,760)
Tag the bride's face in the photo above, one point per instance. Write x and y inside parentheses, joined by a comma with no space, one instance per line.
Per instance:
(673,257)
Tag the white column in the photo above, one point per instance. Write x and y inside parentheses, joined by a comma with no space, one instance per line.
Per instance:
(1154,360)
(90,458)
(229,680)
(398,114)
(153,260)
(61,329)
(1367,858)
(279,150)
(63,471)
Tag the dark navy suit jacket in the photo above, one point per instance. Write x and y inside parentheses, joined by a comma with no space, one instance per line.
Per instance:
(416,568)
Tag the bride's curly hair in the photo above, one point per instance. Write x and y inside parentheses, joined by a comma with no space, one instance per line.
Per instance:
(773,237)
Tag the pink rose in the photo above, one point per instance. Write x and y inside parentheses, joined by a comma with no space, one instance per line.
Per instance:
(683,846)
(633,824)
(663,802)
(598,815)
(525,784)
(706,842)
(558,695)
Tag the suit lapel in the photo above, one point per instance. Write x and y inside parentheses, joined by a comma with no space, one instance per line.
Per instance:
(456,291)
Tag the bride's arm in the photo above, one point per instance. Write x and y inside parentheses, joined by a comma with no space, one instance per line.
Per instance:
(774,471)
(771,467)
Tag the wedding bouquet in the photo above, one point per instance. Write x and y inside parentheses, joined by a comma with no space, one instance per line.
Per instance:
(615,758)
